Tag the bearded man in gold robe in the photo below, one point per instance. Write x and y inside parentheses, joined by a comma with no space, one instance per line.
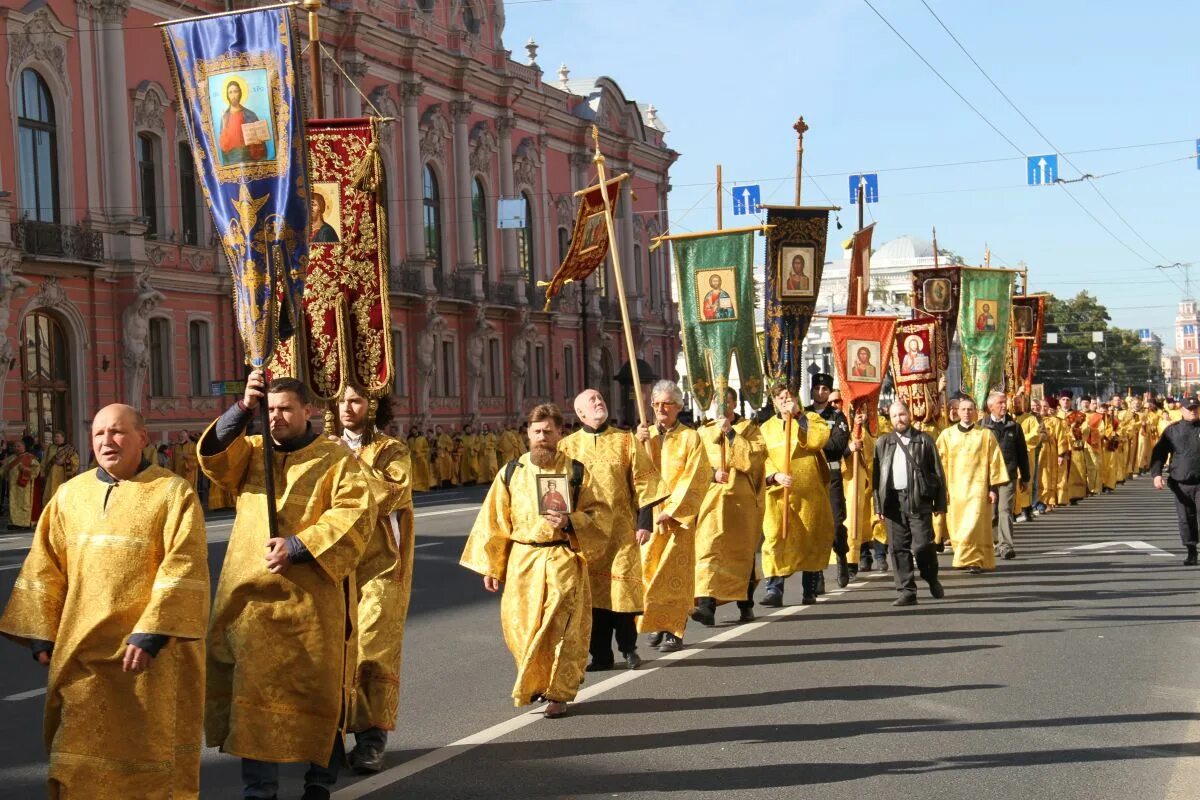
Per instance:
(384,576)
(539,557)
(280,659)
(21,469)
(1052,458)
(798,526)
(489,463)
(113,598)
(627,487)
(468,465)
(509,446)
(669,552)
(729,527)
(974,470)
(1072,480)
(60,464)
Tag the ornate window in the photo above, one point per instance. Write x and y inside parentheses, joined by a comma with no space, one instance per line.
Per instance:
(569,371)
(539,358)
(45,386)
(637,269)
(426,5)
(449,370)
(189,187)
(495,367)
(147,152)
(525,243)
(399,363)
(38,149)
(160,357)
(479,222)
(199,357)
(432,204)
(564,244)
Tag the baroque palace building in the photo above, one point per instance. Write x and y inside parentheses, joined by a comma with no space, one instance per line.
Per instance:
(112,288)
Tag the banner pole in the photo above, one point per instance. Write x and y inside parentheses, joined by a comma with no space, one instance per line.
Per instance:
(313,7)
(598,159)
(720,198)
(800,128)
(787,494)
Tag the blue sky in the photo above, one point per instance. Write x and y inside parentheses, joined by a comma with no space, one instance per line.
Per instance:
(729,77)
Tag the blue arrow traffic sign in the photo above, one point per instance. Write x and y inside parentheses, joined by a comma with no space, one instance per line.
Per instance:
(746,199)
(871,190)
(1042,170)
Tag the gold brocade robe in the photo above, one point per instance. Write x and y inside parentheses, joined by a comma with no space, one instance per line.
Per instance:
(384,578)
(150,455)
(810,517)
(544,609)
(1072,477)
(184,462)
(509,446)
(1094,452)
(468,465)
(624,480)
(219,497)
(973,465)
(1149,438)
(867,528)
(281,647)
(729,527)
(443,465)
(488,463)
(669,558)
(422,467)
(60,465)
(940,533)
(1048,466)
(22,471)
(1023,498)
(109,560)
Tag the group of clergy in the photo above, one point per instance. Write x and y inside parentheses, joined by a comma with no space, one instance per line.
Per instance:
(443,458)
(31,480)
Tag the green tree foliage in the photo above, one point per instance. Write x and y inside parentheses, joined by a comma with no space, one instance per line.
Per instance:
(1122,361)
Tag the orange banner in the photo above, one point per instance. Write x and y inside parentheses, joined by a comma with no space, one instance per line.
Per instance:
(862,349)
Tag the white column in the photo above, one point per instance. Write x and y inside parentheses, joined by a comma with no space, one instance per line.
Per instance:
(410,93)
(460,113)
(125,242)
(87,68)
(629,268)
(352,101)
(510,272)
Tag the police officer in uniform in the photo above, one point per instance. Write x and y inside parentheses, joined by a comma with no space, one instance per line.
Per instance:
(1181,441)
(836,449)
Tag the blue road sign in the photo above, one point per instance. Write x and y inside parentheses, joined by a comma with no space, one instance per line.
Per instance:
(1042,170)
(871,190)
(746,199)
(1143,333)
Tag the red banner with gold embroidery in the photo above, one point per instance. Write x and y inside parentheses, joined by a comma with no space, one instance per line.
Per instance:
(1028,325)
(862,348)
(916,370)
(589,240)
(346,309)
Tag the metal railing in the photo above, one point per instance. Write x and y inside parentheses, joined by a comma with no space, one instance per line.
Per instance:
(50,239)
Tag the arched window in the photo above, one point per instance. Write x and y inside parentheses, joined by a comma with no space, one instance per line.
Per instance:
(38,149)
(525,243)
(189,217)
(470,19)
(637,269)
(199,357)
(479,222)
(45,384)
(564,244)
(432,203)
(160,357)
(147,152)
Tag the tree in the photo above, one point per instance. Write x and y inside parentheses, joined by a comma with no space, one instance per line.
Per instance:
(1122,360)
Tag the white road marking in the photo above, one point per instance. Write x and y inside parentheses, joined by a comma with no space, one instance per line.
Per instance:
(26,695)
(11,566)
(447,752)
(440,513)
(1113,548)
(427,544)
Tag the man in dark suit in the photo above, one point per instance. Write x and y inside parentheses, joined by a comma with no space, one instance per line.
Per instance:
(909,487)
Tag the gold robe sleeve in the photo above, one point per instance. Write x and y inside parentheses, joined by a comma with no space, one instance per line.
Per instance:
(683,504)
(179,598)
(35,608)
(591,537)
(997,471)
(646,483)
(488,545)
(227,468)
(337,539)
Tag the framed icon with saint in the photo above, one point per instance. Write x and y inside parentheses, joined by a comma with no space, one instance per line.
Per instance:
(937,295)
(795,278)
(716,294)
(324,213)
(862,360)
(553,494)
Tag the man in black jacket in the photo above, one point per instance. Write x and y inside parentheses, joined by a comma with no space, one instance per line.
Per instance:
(1181,441)
(835,449)
(1011,440)
(909,487)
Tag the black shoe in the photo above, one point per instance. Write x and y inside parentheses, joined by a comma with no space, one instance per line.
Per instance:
(773,600)
(1029,515)
(853,570)
(905,600)
(315,793)
(365,760)
(1075,502)
(974,570)
(671,644)
(1190,561)
(883,565)
(843,572)
(632,659)
(865,564)
(656,638)
(808,600)
(936,590)
(598,666)
(704,616)
(939,547)
(1009,554)
(820,584)
(746,615)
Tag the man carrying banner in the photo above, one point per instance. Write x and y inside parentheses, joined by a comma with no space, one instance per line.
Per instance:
(626,486)
(113,598)
(669,557)
(1052,459)
(837,447)
(798,521)
(540,562)
(974,470)
(1072,479)
(270,702)
(729,528)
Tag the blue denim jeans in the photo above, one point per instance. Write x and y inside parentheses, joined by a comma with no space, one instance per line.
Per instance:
(776,584)
(261,778)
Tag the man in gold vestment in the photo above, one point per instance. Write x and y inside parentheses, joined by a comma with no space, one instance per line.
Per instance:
(421,476)
(1053,457)
(60,464)
(113,598)
(183,459)
(729,528)
(1026,496)
(510,446)
(279,655)
(384,577)
(444,472)
(1072,480)
(489,465)
(626,486)
(468,467)
(669,552)
(974,469)
(20,470)
(540,557)
(796,468)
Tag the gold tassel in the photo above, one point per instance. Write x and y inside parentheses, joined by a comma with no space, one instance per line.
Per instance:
(368,174)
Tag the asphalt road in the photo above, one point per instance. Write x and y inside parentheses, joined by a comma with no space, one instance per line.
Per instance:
(1068,673)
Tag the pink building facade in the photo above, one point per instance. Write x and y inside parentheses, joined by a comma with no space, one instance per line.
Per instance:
(111,288)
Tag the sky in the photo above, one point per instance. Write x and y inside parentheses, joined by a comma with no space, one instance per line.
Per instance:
(1110,85)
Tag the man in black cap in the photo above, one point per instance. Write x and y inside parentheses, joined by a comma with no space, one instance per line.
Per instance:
(837,448)
(1181,441)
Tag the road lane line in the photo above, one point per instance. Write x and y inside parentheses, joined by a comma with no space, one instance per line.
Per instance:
(11,566)
(26,695)
(440,513)
(427,544)
(431,759)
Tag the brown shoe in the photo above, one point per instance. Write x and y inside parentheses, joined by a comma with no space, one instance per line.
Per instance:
(555,709)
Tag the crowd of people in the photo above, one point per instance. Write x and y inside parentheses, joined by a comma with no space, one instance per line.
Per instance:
(593,536)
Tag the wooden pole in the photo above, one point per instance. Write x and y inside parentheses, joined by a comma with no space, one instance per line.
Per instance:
(787,490)
(598,159)
(800,128)
(313,7)
(720,197)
